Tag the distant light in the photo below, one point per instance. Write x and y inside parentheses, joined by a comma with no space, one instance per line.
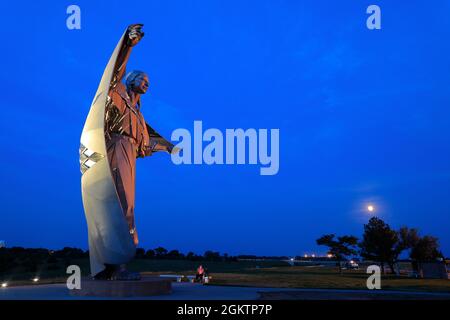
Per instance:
(4,285)
(35,279)
(351,261)
(306,256)
(292,259)
(370,208)
(313,255)
(329,255)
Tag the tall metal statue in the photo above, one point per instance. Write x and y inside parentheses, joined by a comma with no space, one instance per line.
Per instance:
(114,135)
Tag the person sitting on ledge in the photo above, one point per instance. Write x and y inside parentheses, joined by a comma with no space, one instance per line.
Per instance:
(200,274)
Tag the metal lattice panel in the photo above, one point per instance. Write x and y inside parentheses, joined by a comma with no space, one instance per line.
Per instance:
(88,158)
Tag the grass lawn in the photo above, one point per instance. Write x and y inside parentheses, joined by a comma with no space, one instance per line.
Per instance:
(249,273)
(325,278)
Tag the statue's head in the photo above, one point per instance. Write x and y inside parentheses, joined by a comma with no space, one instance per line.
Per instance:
(137,81)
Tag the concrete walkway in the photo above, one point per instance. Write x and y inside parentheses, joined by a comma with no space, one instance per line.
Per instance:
(190,291)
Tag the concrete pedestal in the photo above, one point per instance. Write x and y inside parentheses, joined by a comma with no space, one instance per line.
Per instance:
(147,286)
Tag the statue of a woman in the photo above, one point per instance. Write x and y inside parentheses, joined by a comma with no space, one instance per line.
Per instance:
(127,136)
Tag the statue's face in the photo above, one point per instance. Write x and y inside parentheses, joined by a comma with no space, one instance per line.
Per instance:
(141,84)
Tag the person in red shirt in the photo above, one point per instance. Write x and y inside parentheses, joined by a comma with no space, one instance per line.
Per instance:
(200,273)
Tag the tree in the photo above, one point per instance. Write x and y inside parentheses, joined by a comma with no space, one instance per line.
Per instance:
(212,255)
(340,248)
(174,254)
(381,243)
(140,253)
(150,254)
(426,249)
(190,255)
(423,249)
(160,252)
(407,238)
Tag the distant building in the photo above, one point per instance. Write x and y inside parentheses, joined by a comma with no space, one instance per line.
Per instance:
(2,244)
(433,270)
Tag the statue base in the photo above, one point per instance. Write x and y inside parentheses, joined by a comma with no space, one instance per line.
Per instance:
(147,286)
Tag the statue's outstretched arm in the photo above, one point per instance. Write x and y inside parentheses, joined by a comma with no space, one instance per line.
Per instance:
(133,35)
(157,142)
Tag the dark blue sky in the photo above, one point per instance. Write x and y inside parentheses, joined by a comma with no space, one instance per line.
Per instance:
(363,115)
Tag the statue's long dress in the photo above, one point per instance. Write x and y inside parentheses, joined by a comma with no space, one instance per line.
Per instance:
(109,236)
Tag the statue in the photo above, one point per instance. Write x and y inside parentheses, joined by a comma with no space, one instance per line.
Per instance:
(114,135)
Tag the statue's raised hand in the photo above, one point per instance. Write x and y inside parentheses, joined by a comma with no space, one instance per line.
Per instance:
(134,34)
